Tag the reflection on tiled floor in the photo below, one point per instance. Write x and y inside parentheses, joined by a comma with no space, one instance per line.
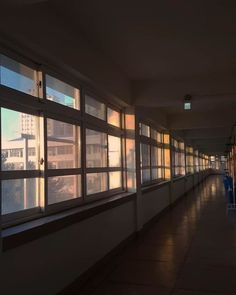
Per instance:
(191,250)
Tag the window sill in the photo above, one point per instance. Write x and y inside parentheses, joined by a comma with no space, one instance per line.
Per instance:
(177,178)
(155,186)
(18,235)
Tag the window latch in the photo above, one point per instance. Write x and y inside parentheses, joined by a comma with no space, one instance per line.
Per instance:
(41,161)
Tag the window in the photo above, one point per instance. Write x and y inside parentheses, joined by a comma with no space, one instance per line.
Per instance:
(18,76)
(96,183)
(189,160)
(61,143)
(18,140)
(144,130)
(20,185)
(96,147)
(178,158)
(102,151)
(129,122)
(113,117)
(151,155)
(95,108)
(196,161)
(50,163)
(62,188)
(19,194)
(62,93)
(114,156)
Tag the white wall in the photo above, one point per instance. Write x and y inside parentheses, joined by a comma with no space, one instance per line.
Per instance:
(154,202)
(46,265)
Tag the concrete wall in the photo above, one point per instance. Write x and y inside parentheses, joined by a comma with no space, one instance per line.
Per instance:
(47,265)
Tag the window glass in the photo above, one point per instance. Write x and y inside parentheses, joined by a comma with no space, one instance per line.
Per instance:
(154,156)
(113,117)
(129,122)
(145,130)
(131,181)
(19,139)
(154,134)
(18,76)
(145,155)
(62,188)
(130,153)
(159,137)
(154,173)
(160,159)
(95,108)
(114,148)
(166,138)
(114,179)
(167,173)
(96,183)
(167,157)
(160,173)
(96,149)
(146,177)
(63,145)
(19,194)
(62,93)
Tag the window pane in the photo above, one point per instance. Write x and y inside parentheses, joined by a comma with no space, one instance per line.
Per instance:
(62,93)
(159,137)
(96,149)
(63,145)
(131,181)
(145,175)
(113,117)
(62,188)
(114,179)
(167,157)
(18,76)
(160,158)
(129,122)
(145,130)
(145,155)
(154,156)
(160,173)
(19,194)
(130,153)
(95,108)
(166,138)
(167,173)
(114,147)
(154,174)
(19,140)
(96,183)
(154,134)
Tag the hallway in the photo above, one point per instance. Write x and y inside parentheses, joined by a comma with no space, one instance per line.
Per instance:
(190,250)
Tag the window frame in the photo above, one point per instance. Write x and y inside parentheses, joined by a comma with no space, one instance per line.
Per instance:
(152,143)
(178,150)
(45,109)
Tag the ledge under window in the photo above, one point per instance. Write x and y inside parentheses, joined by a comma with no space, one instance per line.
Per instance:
(155,186)
(32,230)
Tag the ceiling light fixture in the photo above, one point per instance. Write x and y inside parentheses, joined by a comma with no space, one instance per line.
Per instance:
(187,102)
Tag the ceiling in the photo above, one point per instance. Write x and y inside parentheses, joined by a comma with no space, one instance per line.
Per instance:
(165,49)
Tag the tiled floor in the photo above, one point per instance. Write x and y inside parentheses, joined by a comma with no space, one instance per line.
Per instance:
(191,250)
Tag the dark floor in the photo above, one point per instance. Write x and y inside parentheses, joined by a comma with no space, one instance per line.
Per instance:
(191,250)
